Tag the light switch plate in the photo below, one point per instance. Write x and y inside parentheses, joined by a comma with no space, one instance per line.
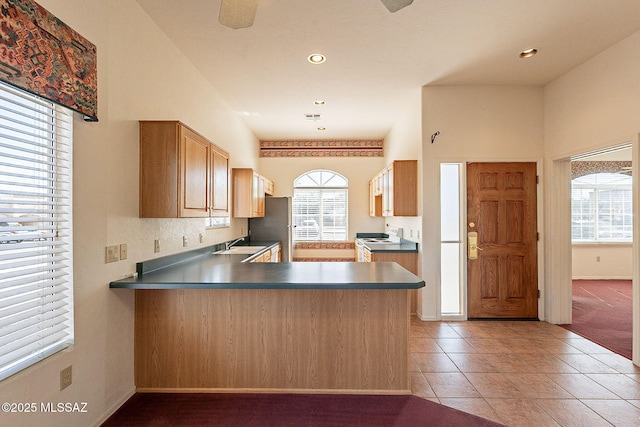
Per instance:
(112,254)
(123,251)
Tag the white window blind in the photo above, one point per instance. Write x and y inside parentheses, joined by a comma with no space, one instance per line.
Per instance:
(320,206)
(36,272)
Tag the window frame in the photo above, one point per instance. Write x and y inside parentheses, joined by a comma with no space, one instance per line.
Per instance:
(595,212)
(322,187)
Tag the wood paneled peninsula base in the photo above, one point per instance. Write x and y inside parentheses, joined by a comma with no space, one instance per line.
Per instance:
(348,333)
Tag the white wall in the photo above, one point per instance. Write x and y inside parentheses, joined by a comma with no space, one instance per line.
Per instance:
(488,123)
(404,142)
(602,261)
(595,105)
(141,75)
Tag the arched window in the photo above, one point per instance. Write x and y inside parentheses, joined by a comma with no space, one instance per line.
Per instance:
(602,208)
(320,206)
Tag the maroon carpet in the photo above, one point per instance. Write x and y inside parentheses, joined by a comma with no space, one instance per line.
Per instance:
(246,410)
(602,313)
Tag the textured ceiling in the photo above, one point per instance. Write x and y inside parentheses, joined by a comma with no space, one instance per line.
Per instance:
(376,60)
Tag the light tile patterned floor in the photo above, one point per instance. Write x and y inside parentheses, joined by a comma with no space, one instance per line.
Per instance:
(523,374)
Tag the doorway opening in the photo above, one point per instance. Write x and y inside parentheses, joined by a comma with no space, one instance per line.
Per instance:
(602,247)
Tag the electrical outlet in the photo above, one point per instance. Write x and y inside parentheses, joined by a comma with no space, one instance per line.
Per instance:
(185,242)
(123,251)
(201,238)
(156,246)
(112,254)
(411,232)
(597,259)
(66,377)
(418,234)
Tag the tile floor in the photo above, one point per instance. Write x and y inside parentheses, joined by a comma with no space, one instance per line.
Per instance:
(523,374)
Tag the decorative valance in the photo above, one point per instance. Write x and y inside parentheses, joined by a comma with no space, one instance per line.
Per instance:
(42,55)
(582,168)
(322,148)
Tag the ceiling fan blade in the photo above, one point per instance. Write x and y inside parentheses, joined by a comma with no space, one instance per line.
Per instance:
(238,13)
(396,5)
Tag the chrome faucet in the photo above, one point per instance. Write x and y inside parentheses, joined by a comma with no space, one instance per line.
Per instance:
(228,245)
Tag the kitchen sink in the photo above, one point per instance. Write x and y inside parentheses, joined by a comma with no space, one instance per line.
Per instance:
(241,250)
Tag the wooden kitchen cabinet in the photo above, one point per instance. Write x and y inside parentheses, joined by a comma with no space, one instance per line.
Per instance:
(408,260)
(394,190)
(180,176)
(375,198)
(276,253)
(219,182)
(272,255)
(249,191)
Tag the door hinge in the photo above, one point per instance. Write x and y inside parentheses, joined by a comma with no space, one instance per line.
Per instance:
(538,236)
(538,293)
(537,179)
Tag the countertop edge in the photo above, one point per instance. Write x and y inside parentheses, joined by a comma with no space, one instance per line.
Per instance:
(297,286)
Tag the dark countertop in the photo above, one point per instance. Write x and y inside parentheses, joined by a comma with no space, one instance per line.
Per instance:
(201,269)
(404,246)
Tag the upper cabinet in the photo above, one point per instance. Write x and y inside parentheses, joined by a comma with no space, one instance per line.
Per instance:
(249,191)
(394,190)
(219,182)
(182,174)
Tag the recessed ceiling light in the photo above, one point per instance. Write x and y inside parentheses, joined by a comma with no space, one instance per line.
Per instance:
(322,128)
(528,53)
(316,58)
(319,102)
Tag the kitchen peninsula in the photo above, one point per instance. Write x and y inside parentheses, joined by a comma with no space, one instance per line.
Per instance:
(212,322)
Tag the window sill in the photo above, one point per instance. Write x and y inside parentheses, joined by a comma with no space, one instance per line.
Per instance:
(602,244)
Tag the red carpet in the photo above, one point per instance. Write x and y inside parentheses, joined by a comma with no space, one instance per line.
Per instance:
(602,313)
(281,410)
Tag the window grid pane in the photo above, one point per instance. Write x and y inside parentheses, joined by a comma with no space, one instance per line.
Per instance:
(601,208)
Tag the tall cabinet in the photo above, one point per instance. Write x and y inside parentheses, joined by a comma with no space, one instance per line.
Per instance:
(182,174)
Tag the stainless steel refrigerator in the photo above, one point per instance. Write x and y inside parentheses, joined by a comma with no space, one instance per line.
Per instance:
(275,225)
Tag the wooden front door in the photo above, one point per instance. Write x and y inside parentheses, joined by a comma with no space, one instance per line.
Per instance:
(502,282)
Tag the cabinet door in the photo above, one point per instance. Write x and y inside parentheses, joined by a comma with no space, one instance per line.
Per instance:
(276,254)
(220,183)
(372,198)
(387,196)
(366,255)
(404,186)
(391,196)
(194,164)
(257,195)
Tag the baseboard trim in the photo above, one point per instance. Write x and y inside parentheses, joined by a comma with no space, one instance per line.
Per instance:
(273,391)
(602,278)
(113,408)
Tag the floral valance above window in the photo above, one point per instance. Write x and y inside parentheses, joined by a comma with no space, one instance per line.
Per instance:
(42,55)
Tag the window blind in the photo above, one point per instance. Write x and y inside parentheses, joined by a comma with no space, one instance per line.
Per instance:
(36,271)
